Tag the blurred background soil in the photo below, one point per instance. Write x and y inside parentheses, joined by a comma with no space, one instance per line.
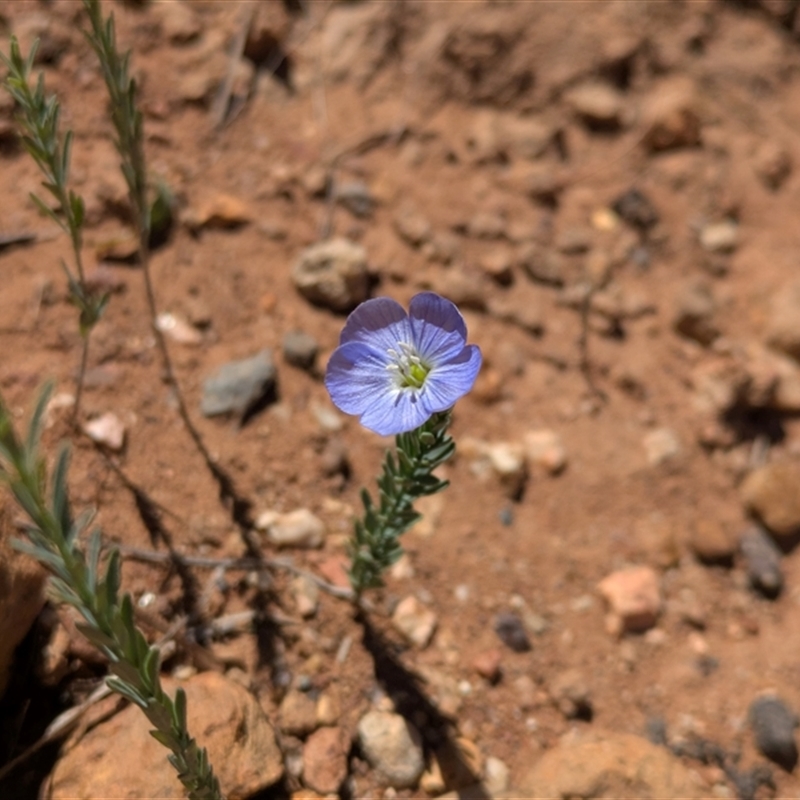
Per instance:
(609,191)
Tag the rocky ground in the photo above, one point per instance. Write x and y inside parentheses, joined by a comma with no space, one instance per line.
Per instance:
(605,601)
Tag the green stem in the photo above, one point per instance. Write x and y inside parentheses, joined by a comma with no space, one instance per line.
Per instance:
(109,626)
(404,479)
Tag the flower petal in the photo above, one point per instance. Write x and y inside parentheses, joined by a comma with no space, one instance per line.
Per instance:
(390,413)
(356,375)
(439,330)
(448,382)
(381,323)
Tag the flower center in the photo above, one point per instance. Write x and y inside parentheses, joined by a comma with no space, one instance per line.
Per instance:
(409,370)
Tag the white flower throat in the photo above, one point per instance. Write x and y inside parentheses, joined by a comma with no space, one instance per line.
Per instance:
(408,368)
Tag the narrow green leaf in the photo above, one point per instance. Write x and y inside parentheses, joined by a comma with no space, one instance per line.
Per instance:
(165,738)
(46,210)
(128,673)
(126,690)
(46,557)
(151,666)
(37,418)
(29,503)
(93,559)
(61,588)
(126,612)
(66,149)
(60,500)
(141,648)
(179,709)
(97,637)
(112,580)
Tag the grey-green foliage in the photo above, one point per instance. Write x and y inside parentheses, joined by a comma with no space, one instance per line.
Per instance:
(53,539)
(38,117)
(405,478)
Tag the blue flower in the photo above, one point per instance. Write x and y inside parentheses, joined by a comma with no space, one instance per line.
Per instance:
(395,370)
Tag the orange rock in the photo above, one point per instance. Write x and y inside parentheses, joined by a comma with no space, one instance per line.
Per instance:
(127,762)
(634,599)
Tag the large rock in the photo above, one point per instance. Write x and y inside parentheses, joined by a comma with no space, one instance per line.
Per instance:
(333,274)
(120,759)
(610,765)
(21,596)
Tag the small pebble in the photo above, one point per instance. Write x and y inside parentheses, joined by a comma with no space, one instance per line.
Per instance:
(661,444)
(329,418)
(297,713)
(762,560)
(773,724)
(487,225)
(412,227)
(634,599)
(219,211)
(179,330)
(781,328)
(334,459)
(599,105)
(393,747)
(179,22)
(511,630)
(572,695)
(325,758)
(508,462)
(711,542)
(496,775)
(544,448)
(356,198)
(670,115)
(300,349)
(107,430)
(239,386)
(298,528)
(487,665)
(635,208)
(694,314)
(542,264)
(656,730)
(332,274)
(770,493)
(306,595)
(416,622)
(327,709)
(720,237)
(773,164)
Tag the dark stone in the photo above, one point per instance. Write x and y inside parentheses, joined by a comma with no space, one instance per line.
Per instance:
(239,387)
(300,349)
(510,629)
(773,724)
(762,559)
(655,729)
(356,198)
(636,209)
